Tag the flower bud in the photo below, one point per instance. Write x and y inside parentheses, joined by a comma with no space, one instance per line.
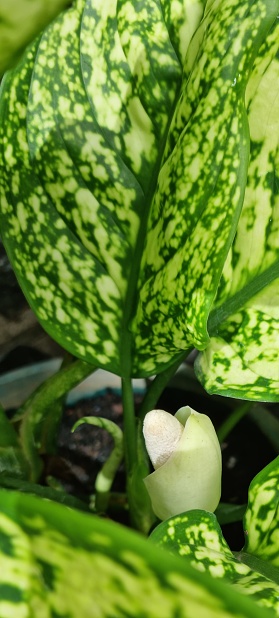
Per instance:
(186,455)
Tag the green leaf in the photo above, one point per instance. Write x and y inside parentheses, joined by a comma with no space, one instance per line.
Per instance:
(20,22)
(196,535)
(95,158)
(241,359)
(120,166)
(49,493)
(227,513)
(261,521)
(58,562)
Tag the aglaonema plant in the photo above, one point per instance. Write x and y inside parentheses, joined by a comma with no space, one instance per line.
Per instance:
(139,209)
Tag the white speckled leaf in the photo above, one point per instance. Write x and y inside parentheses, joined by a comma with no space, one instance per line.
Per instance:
(58,562)
(96,97)
(123,174)
(261,520)
(242,357)
(20,22)
(197,536)
(201,183)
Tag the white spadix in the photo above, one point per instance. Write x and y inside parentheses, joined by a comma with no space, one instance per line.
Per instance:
(186,455)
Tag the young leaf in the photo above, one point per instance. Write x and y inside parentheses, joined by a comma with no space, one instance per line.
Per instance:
(241,359)
(59,562)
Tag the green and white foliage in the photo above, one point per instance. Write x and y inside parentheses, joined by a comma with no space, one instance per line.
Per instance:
(261,521)
(125,146)
(20,22)
(242,358)
(84,120)
(201,184)
(57,562)
(254,570)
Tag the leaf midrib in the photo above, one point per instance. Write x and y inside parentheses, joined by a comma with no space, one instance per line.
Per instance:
(264,567)
(132,288)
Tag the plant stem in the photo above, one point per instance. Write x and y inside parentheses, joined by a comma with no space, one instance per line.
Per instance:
(141,515)
(232,420)
(158,385)
(130,436)
(35,410)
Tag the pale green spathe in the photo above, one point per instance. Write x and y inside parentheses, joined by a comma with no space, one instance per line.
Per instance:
(191,477)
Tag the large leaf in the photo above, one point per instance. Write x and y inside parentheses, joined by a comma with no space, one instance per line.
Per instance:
(71,235)
(20,22)
(120,169)
(242,358)
(198,536)
(59,562)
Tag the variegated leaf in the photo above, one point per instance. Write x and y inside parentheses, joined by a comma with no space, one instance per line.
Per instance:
(242,357)
(57,562)
(196,535)
(20,22)
(96,99)
(261,521)
(120,171)
(201,183)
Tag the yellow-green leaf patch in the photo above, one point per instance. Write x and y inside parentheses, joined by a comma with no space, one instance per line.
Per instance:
(242,357)
(197,536)
(57,562)
(20,22)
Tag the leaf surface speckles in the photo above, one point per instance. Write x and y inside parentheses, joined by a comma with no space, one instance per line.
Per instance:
(124,149)
(93,103)
(241,359)
(56,561)
(201,184)
(262,516)
(197,536)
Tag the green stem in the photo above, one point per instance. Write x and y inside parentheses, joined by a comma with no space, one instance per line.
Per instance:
(130,432)
(232,420)
(52,421)
(158,385)
(35,410)
(136,470)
